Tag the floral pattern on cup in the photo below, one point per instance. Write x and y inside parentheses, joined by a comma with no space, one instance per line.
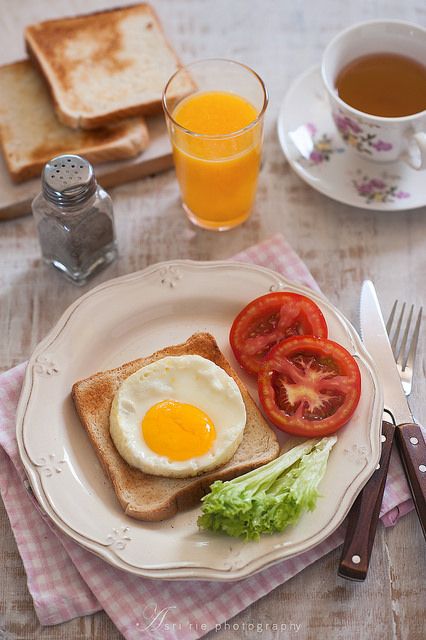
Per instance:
(323,147)
(356,136)
(384,189)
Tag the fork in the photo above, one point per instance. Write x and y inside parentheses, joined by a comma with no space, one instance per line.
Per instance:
(409,441)
(404,359)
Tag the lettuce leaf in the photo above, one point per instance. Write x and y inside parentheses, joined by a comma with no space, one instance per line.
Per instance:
(271,497)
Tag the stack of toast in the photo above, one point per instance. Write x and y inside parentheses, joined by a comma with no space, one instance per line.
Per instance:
(86,88)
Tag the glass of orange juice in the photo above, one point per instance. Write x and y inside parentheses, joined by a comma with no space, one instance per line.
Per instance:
(216,130)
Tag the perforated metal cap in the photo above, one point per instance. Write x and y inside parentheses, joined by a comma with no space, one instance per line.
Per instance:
(68,180)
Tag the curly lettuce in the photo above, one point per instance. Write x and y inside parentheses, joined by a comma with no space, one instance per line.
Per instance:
(271,497)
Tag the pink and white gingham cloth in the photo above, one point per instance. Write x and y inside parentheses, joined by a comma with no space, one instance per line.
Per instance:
(66,581)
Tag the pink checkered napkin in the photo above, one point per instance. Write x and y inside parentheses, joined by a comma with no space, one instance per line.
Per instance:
(66,581)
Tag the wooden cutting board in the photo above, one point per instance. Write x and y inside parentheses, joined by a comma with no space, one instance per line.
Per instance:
(15,199)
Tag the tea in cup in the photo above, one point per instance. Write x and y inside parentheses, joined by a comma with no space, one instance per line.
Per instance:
(375,77)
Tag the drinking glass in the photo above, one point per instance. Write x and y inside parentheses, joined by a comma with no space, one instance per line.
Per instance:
(217,172)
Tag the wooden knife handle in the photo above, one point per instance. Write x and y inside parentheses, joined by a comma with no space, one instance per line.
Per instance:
(364,515)
(412,448)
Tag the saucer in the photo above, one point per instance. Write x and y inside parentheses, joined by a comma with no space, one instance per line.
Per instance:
(313,147)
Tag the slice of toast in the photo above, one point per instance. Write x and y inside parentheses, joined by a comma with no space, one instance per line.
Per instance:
(148,497)
(105,65)
(31,134)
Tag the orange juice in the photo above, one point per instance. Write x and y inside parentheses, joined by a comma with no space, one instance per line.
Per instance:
(217,156)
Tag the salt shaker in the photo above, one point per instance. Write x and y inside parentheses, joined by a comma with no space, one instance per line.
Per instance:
(74,219)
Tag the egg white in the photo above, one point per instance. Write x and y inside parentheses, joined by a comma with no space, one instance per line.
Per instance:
(189,379)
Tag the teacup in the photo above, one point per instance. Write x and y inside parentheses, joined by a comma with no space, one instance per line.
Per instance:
(382,139)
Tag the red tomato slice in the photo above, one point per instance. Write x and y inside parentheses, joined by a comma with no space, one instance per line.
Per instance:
(266,321)
(309,386)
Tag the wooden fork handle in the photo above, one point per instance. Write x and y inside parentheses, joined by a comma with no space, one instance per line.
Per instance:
(412,449)
(364,515)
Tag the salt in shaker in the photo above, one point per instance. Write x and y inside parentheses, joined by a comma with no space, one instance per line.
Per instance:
(74,219)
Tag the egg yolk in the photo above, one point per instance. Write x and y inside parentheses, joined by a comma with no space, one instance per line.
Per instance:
(178,431)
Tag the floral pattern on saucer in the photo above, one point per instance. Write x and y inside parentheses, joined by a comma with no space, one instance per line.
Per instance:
(356,136)
(323,147)
(381,189)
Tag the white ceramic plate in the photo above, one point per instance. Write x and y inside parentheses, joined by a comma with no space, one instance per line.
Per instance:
(133,316)
(314,149)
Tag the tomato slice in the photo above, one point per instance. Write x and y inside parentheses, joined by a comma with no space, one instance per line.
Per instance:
(309,386)
(266,321)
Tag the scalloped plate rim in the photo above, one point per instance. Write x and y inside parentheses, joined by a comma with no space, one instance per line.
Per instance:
(183,571)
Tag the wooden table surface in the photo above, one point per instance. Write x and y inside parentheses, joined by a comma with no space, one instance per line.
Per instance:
(341,246)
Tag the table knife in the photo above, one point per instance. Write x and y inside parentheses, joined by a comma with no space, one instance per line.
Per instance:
(364,514)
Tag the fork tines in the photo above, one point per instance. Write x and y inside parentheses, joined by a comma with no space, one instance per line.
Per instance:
(404,357)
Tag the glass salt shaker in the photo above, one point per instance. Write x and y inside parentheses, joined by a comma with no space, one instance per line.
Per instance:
(74,219)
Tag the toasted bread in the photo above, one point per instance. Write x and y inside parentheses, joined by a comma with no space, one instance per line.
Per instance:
(148,497)
(30,133)
(106,65)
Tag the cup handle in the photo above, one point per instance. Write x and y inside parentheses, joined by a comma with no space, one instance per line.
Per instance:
(418,142)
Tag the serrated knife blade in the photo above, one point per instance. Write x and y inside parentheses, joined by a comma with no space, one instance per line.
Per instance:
(375,338)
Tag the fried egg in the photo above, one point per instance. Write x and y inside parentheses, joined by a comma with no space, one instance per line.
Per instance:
(178,417)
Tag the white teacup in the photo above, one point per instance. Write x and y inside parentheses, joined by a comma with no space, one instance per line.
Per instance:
(378,138)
